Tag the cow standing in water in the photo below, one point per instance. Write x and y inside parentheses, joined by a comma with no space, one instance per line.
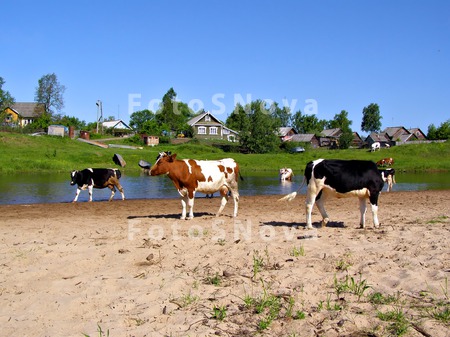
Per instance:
(341,178)
(388,176)
(207,176)
(96,178)
(286,174)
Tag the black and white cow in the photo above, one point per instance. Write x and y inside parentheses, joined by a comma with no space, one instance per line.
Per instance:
(341,178)
(97,178)
(388,176)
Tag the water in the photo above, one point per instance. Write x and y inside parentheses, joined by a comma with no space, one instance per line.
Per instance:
(55,187)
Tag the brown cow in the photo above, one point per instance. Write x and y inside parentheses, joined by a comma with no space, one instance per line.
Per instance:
(385,162)
(206,176)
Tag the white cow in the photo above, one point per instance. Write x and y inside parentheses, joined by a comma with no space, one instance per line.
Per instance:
(286,174)
(375,146)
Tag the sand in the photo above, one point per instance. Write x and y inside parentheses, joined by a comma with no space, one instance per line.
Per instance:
(133,268)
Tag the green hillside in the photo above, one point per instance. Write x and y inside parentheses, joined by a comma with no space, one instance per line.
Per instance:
(24,153)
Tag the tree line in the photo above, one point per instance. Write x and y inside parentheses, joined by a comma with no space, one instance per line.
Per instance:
(257,122)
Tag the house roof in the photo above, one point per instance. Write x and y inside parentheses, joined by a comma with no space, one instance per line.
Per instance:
(417,132)
(283,131)
(336,132)
(302,137)
(194,120)
(116,124)
(395,131)
(198,118)
(378,137)
(28,109)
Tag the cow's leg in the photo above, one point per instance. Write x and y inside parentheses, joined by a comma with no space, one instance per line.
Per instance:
(190,203)
(113,192)
(320,203)
(376,224)
(235,195)
(120,188)
(183,206)
(310,199)
(90,187)
(224,194)
(77,194)
(389,183)
(374,205)
(362,209)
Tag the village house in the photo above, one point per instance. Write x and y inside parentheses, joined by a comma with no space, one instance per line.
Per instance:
(23,113)
(117,127)
(207,126)
(395,135)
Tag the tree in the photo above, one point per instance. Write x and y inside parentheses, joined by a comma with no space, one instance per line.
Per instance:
(6,100)
(69,121)
(281,115)
(172,113)
(258,130)
(342,122)
(139,118)
(371,120)
(50,92)
(441,132)
(308,123)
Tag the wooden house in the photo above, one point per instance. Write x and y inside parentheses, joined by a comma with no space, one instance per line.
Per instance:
(330,137)
(285,133)
(207,126)
(309,138)
(23,113)
(418,133)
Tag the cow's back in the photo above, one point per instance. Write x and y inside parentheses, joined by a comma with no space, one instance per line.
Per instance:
(347,175)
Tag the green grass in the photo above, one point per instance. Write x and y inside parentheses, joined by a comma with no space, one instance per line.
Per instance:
(23,153)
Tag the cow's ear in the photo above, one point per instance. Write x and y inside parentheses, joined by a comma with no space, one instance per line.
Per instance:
(173,156)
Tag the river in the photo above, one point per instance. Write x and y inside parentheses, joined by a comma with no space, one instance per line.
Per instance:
(55,187)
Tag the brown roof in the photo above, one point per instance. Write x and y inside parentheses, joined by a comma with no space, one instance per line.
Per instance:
(27,109)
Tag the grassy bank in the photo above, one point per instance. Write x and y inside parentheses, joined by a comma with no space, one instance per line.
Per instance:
(23,153)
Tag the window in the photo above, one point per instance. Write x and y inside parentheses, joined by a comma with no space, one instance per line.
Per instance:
(201,130)
(207,118)
(213,130)
(226,131)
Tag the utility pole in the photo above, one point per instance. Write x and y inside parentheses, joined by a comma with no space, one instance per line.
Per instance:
(99,112)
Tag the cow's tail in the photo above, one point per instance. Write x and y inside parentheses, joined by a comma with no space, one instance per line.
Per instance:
(118,173)
(291,196)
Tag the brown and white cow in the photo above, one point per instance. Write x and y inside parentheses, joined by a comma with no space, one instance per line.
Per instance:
(286,174)
(385,162)
(327,178)
(207,176)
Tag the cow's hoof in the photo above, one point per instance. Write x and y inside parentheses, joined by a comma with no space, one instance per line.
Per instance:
(309,227)
(362,226)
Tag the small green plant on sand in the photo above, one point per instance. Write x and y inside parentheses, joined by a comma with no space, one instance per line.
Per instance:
(219,313)
(297,251)
(100,332)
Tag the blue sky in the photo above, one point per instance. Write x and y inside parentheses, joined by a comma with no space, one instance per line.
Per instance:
(315,56)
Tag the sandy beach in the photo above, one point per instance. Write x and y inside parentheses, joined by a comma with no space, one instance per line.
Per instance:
(133,268)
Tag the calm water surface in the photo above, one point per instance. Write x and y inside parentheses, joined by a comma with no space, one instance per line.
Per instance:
(51,188)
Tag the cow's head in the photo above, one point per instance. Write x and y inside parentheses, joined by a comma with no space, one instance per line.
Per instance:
(73,177)
(163,163)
